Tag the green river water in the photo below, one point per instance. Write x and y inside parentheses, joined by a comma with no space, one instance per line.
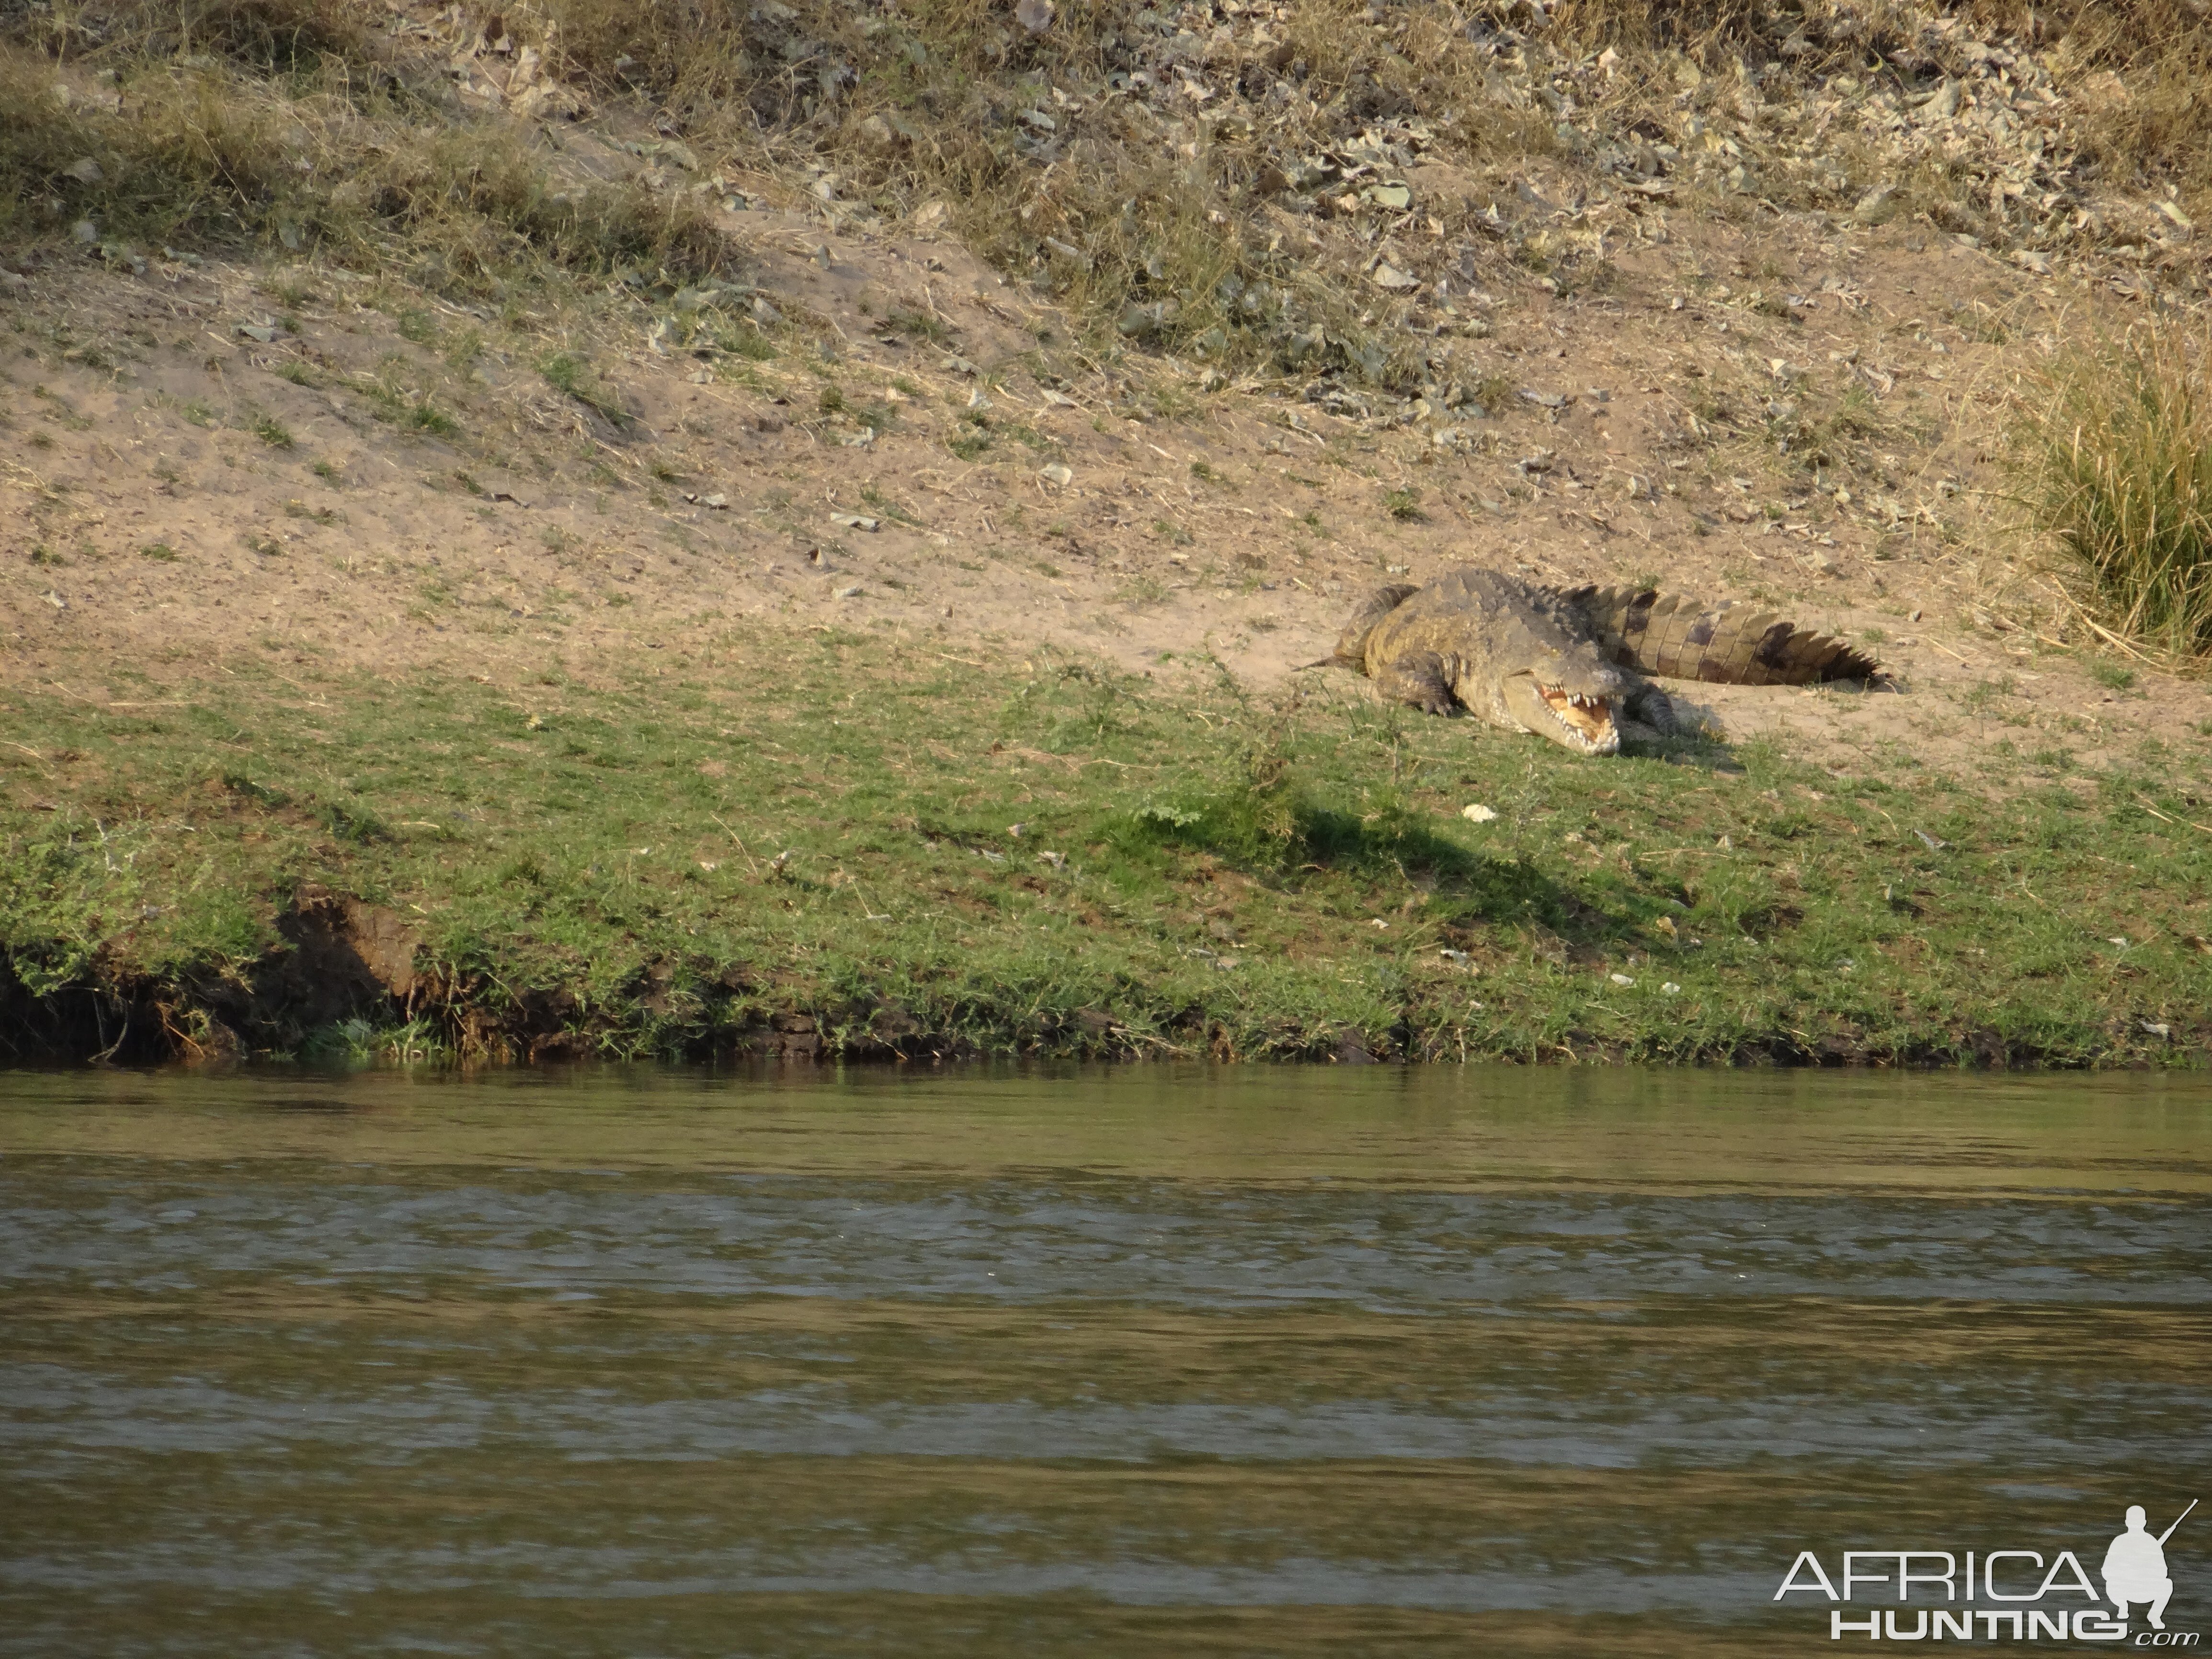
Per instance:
(1146,1361)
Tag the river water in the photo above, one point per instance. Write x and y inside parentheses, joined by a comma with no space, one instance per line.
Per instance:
(1143,1361)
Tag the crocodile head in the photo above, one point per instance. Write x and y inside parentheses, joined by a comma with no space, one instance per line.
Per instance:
(1575,699)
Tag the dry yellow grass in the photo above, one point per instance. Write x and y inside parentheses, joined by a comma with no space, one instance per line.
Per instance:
(2116,449)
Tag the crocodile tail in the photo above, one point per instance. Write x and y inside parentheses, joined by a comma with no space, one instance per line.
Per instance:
(1675,637)
(1351,645)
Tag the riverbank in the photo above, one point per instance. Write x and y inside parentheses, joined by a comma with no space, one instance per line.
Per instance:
(852,845)
(521,541)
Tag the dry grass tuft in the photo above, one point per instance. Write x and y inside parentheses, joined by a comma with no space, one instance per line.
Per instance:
(2117,463)
(238,123)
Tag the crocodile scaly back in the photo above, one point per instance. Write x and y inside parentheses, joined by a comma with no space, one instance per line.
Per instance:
(1672,636)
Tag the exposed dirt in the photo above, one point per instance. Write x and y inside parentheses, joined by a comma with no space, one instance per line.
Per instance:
(175,503)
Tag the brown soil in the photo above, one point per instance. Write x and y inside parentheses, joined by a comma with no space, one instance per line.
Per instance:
(540,534)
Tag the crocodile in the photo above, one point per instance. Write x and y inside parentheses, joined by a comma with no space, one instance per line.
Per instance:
(1569,663)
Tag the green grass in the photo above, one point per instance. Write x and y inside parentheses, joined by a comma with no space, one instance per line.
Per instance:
(570,374)
(2115,454)
(666,866)
(1405,505)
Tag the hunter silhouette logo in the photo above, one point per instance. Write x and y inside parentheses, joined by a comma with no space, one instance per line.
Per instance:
(2034,1599)
(2135,1566)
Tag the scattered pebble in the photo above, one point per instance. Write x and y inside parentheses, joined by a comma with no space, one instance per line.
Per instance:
(1477,813)
(2158,1028)
(1669,989)
(849,520)
(847,593)
(1620,979)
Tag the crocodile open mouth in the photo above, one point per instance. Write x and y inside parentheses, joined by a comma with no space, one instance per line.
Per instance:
(1589,717)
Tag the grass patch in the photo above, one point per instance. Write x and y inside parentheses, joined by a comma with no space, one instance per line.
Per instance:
(570,374)
(2115,452)
(639,870)
(287,123)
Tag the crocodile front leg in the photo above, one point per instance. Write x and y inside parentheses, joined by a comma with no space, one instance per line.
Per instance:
(1419,680)
(1653,707)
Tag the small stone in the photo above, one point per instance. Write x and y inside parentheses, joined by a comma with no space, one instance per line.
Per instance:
(1669,989)
(855,522)
(1056,475)
(1477,813)
(84,170)
(2157,1028)
(719,501)
(1878,206)
(847,593)
(1034,15)
(86,232)
(1620,979)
